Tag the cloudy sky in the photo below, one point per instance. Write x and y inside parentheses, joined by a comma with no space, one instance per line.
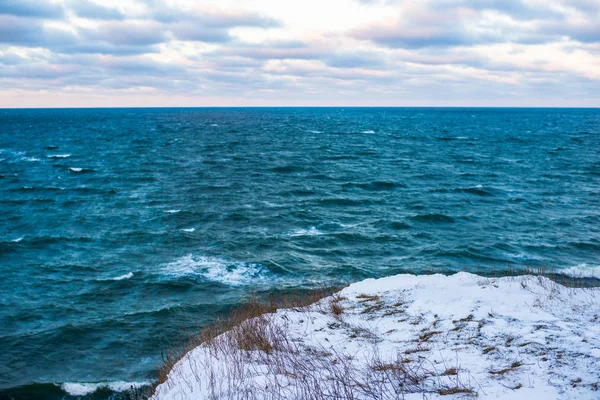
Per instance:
(299,52)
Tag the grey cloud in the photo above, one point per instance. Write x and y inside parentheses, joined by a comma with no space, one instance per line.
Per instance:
(19,31)
(31,8)
(191,32)
(209,18)
(127,33)
(354,60)
(100,47)
(12,59)
(37,71)
(583,6)
(274,51)
(416,37)
(585,32)
(298,50)
(442,25)
(30,33)
(517,9)
(118,35)
(91,10)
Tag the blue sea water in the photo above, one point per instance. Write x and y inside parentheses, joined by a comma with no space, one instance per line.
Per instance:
(123,230)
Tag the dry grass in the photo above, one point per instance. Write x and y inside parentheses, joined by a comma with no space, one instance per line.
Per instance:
(450,371)
(455,390)
(253,327)
(424,337)
(335,307)
(503,371)
(252,342)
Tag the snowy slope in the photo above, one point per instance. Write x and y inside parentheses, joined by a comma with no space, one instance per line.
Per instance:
(410,337)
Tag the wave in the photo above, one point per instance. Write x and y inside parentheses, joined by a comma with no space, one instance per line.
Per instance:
(188,229)
(375,186)
(37,188)
(232,273)
(172,211)
(17,240)
(451,138)
(59,156)
(586,245)
(397,225)
(287,169)
(82,170)
(120,278)
(84,389)
(477,190)
(344,201)
(432,217)
(31,159)
(582,271)
(368,131)
(312,231)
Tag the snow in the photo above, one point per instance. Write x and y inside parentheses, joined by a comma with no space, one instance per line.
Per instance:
(498,338)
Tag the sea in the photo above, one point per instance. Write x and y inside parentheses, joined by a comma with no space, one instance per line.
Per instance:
(124,231)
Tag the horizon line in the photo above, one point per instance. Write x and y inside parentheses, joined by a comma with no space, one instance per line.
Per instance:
(298,106)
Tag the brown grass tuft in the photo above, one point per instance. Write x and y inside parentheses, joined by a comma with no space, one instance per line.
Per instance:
(253,332)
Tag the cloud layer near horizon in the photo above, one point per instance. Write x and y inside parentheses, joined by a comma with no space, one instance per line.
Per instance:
(265,52)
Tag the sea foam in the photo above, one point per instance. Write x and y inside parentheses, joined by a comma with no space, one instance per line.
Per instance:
(582,271)
(122,277)
(312,231)
(216,269)
(84,389)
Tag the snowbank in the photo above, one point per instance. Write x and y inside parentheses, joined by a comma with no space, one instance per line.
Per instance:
(409,337)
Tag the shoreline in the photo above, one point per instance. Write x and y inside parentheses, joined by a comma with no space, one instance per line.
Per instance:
(407,335)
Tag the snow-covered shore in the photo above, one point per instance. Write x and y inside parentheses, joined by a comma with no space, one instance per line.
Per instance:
(409,337)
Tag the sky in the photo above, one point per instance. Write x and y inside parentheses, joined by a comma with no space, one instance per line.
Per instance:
(149,53)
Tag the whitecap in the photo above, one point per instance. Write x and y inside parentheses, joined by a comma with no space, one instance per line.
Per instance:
(59,156)
(368,131)
(312,231)
(582,271)
(214,124)
(17,240)
(216,269)
(172,211)
(74,169)
(32,159)
(313,131)
(84,389)
(122,277)
(188,229)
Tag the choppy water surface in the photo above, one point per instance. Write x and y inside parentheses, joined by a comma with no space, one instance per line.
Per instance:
(121,230)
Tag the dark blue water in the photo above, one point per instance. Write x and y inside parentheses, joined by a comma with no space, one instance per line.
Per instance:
(121,230)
